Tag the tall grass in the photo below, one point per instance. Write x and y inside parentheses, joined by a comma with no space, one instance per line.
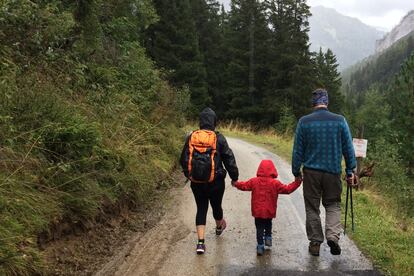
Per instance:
(381,233)
(71,152)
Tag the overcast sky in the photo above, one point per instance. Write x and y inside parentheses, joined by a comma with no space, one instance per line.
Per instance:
(384,14)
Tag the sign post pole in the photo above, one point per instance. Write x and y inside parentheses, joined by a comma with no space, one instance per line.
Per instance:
(360,146)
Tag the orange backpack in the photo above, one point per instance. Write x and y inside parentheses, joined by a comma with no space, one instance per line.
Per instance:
(202,150)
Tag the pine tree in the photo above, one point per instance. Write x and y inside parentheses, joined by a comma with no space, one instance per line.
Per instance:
(207,16)
(246,41)
(328,77)
(173,43)
(401,100)
(218,83)
(291,69)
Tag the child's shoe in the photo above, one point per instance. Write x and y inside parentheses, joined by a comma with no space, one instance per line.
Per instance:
(268,241)
(260,249)
(220,229)
(201,248)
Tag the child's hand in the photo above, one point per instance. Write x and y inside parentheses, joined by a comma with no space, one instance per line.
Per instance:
(233,183)
(298,179)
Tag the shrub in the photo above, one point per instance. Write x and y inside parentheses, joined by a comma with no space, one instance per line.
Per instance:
(391,177)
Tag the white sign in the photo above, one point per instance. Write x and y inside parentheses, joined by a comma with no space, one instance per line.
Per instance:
(360,146)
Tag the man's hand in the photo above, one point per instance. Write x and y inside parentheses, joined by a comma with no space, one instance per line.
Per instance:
(233,183)
(352,180)
(298,179)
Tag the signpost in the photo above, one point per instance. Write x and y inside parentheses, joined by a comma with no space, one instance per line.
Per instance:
(360,147)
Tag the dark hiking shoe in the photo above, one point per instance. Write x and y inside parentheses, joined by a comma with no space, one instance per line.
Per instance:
(314,248)
(220,229)
(260,249)
(335,248)
(268,241)
(201,248)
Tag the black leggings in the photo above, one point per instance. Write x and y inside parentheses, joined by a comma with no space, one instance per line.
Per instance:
(205,193)
(263,229)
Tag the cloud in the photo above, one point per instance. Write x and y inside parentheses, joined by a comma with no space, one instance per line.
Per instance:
(366,7)
(226,3)
(387,21)
(380,13)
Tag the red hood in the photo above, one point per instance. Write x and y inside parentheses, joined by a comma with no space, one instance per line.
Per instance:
(267,169)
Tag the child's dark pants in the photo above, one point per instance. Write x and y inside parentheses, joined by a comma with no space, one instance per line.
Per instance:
(263,228)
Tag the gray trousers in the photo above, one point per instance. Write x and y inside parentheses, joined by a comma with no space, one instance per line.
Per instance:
(319,185)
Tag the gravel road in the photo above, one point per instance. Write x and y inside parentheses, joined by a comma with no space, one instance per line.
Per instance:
(169,248)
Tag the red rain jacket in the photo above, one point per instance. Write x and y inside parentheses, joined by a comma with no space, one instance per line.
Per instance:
(265,190)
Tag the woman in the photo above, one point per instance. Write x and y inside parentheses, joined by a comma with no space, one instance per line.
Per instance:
(210,189)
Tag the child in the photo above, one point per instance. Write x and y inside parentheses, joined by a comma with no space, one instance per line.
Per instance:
(265,190)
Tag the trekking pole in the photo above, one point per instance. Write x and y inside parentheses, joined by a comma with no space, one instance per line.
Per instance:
(346,207)
(352,210)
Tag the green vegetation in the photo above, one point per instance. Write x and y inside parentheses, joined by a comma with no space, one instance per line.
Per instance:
(173,43)
(87,122)
(384,112)
(270,139)
(330,79)
(378,69)
(93,94)
(380,232)
(251,63)
(380,97)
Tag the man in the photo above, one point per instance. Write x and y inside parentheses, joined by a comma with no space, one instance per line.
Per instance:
(212,189)
(321,139)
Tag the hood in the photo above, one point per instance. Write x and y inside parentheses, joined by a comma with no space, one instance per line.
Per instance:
(208,119)
(267,169)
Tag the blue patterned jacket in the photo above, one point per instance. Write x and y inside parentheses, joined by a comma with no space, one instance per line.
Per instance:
(321,139)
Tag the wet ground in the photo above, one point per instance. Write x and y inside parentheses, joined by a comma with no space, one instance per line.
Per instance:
(169,248)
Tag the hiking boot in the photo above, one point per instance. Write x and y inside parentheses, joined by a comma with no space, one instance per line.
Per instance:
(260,249)
(335,248)
(221,228)
(314,248)
(268,241)
(201,248)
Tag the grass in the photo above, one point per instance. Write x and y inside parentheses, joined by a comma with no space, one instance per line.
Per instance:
(382,233)
(68,163)
(269,139)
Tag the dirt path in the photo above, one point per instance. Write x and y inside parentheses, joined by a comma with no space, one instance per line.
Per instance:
(168,248)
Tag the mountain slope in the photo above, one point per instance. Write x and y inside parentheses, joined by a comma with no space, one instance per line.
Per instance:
(349,38)
(378,69)
(405,27)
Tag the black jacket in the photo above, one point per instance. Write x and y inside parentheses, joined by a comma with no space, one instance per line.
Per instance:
(224,154)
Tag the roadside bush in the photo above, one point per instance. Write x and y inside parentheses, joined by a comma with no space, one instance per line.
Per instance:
(86,120)
(391,177)
(287,122)
(74,140)
(391,171)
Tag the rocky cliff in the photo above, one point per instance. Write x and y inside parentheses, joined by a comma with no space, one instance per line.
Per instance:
(405,27)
